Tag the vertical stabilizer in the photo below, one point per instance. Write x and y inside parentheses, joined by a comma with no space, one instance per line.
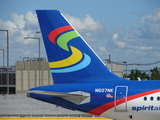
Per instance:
(70,58)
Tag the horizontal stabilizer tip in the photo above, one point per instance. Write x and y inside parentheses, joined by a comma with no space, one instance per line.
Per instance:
(77,97)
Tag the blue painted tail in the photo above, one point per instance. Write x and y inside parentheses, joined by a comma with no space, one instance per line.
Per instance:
(70,58)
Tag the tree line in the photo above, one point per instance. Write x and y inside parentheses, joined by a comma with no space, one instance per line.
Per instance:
(154,74)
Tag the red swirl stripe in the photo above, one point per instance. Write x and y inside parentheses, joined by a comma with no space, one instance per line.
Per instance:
(101,109)
(53,34)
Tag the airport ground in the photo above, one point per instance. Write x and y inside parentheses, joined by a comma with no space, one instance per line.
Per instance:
(54,118)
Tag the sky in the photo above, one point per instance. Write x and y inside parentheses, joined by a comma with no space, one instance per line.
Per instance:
(128,30)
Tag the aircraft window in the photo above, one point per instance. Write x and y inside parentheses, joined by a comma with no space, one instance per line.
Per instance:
(145,98)
(151,98)
(158,98)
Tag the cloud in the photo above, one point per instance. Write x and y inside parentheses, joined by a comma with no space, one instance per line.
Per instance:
(7,25)
(151,25)
(102,49)
(18,20)
(84,25)
(31,21)
(120,44)
(21,26)
(88,27)
(139,44)
(144,47)
(115,36)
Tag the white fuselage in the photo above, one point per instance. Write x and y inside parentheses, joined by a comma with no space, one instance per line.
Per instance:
(142,108)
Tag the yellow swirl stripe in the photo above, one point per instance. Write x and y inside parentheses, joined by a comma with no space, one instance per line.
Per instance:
(74,58)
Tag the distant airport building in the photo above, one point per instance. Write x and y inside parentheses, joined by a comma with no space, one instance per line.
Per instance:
(32,72)
(117,69)
(3,80)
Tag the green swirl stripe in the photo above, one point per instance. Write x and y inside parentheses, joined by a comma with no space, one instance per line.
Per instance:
(65,38)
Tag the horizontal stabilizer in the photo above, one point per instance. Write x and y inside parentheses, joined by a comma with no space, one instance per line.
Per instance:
(77,97)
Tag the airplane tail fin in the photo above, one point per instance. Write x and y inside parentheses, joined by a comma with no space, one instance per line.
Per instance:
(70,58)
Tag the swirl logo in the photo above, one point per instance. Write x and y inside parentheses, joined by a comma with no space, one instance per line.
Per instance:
(69,64)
